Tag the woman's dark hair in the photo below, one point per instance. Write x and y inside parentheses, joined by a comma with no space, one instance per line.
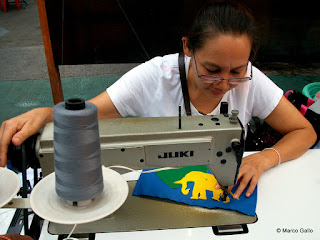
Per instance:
(222,17)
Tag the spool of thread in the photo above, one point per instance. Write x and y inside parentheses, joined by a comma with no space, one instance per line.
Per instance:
(77,151)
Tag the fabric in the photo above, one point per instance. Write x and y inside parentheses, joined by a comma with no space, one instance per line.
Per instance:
(153,89)
(193,186)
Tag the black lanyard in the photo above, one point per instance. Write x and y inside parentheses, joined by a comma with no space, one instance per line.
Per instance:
(184,84)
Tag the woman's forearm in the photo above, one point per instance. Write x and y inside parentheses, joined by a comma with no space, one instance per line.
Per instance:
(291,146)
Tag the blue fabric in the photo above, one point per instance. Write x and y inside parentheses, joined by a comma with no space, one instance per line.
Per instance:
(149,184)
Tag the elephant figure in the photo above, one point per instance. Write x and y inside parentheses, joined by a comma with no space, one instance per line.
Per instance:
(202,182)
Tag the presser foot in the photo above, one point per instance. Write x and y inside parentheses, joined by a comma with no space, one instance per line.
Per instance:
(224,193)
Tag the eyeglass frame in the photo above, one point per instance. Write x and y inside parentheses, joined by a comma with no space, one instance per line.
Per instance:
(219,79)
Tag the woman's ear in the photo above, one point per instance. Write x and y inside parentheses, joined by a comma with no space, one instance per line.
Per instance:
(187,51)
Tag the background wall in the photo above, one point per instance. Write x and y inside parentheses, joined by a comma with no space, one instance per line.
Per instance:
(122,31)
(289,52)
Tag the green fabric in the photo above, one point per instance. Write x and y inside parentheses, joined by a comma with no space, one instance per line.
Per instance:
(173,175)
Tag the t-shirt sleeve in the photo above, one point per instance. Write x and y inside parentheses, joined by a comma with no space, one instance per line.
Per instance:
(131,92)
(267,95)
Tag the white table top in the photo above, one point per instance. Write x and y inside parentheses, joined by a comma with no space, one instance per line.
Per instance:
(288,199)
(288,207)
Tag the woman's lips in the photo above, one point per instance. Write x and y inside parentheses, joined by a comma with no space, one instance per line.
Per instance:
(217,92)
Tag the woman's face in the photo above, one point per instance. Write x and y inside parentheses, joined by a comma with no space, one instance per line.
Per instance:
(225,56)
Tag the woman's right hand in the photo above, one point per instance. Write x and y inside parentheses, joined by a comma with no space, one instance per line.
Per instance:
(18,129)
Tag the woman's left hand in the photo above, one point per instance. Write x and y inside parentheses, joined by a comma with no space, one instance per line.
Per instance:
(251,170)
(298,136)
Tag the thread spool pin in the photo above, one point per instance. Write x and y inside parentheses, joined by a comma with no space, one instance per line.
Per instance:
(80,203)
(75,104)
(234,117)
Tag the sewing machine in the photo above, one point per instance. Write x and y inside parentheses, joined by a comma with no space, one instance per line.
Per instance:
(140,143)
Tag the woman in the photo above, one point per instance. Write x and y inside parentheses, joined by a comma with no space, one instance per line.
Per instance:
(218,50)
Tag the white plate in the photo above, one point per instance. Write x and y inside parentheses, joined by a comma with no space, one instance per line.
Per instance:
(47,204)
(9,185)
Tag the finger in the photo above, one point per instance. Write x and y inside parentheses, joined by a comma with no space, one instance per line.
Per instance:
(3,155)
(230,188)
(26,131)
(5,138)
(10,129)
(217,186)
(243,184)
(252,186)
(241,174)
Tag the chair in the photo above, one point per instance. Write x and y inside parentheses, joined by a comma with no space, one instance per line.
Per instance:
(4,6)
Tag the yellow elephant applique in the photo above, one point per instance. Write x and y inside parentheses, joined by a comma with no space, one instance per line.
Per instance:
(202,182)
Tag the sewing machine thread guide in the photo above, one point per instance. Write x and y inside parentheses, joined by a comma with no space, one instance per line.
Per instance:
(179,116)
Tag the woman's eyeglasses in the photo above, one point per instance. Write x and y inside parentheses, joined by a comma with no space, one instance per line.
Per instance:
(213,79)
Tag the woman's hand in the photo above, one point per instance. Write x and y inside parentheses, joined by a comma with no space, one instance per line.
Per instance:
(298,136)
(19,128)
(251,170)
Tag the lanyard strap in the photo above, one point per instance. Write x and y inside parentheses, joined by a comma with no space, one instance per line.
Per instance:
(184,85)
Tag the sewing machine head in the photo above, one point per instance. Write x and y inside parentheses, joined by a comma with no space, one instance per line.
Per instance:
(214,141)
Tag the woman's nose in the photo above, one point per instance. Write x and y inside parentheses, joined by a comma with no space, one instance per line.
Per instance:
(224,84)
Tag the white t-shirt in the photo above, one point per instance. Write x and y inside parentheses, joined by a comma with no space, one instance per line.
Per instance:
(153,89)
